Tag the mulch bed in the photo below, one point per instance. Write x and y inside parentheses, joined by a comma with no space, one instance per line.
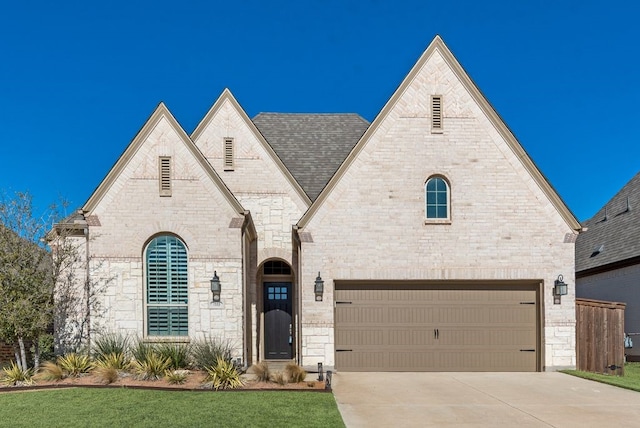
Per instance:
(194,382)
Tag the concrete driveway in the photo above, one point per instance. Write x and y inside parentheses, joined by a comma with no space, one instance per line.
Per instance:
(482,400)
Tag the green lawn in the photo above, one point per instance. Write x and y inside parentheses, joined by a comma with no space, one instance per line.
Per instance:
(144,408)
(630,380)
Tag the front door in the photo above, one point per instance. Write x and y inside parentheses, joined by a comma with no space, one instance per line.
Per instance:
(277,321)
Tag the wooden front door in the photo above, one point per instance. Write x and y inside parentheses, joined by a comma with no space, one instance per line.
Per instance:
(278,329)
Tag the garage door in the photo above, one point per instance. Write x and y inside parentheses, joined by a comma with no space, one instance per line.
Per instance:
(412,327)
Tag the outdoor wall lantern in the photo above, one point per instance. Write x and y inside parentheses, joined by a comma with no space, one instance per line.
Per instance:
(559,289)
(215,286)
(319,288)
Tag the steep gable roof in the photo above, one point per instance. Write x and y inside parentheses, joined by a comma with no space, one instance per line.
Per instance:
(228,96)
(612,236)
(438,45)
(312,146)
(160,112)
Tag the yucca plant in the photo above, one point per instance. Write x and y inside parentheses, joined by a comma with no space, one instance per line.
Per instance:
(176,377)
(152,368)
(206,352)
(142,350)
(295,373)
(223,375)
(112,361)
(111,343)
(74,364)
(49,371)
(177,353)
(14,375)
(261,371)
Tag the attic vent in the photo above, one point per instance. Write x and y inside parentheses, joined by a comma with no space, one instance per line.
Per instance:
(228,154)
(436,113)
(165,175)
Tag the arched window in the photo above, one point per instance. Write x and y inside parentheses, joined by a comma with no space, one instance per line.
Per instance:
(437,198)
(167,286)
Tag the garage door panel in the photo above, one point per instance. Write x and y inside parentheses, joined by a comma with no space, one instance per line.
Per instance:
(391,328)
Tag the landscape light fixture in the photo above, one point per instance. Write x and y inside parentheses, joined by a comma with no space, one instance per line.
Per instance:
(319,288)
(215,286)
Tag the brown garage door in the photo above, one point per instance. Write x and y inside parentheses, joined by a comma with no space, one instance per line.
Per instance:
(436,327)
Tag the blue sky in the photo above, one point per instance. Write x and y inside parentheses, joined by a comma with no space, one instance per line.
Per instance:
(78,79)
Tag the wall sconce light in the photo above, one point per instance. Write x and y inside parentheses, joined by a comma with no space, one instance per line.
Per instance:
(319,288)
(215,286)
(560,288)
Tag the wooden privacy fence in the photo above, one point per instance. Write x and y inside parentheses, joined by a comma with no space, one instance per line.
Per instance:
(600,336)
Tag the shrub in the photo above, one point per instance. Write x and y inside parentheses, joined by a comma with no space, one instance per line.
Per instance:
(178,354)
(45,344)
(50,371)
(142,350)
(14,375)
(75,364)
(223,375)
(176,377)
(111,343)
(152,368)
(206,352)
(107,374)
(261,371)
(279,378)
(295,373)
(112,361)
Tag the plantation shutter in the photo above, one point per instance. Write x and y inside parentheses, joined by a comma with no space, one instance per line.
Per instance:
(167,287)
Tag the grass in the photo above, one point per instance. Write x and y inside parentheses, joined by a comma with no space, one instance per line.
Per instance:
(630,380)
(145,408)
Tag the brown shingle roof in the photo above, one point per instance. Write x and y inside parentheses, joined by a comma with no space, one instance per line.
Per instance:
(613,234)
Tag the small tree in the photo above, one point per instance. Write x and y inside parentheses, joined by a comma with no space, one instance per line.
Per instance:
(26,277)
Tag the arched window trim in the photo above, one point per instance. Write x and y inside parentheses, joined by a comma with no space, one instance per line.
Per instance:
(166,287)
(436,219)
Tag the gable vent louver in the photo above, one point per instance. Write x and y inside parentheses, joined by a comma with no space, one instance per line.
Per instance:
(165,176)
(436,113)
(228,154)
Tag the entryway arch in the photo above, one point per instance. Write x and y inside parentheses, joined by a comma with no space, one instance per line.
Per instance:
(277,295)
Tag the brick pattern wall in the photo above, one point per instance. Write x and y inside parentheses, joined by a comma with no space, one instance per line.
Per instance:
(6,353)
(372,225)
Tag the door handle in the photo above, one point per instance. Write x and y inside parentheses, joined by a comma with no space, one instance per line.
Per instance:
(436,333)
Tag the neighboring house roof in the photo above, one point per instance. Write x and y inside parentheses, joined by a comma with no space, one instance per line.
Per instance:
(438,45)
(312,146)
(612,237)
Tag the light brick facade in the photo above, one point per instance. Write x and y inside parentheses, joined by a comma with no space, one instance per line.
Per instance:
(368,223)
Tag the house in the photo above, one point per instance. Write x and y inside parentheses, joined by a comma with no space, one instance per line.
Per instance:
(427,240)
(608,257)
